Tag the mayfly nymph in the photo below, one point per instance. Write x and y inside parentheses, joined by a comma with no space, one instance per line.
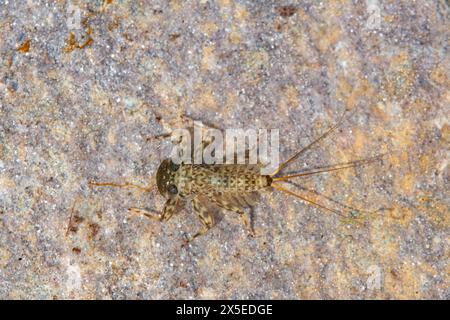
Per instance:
(231,187)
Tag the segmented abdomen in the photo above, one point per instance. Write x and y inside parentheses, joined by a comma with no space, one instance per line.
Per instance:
(228,178)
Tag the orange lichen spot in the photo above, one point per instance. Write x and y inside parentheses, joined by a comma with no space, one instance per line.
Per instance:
(235,36)
(402,214)
(209,28)
(7,183)
(438,75)
(400,59)
(398,159)
(401,76)
(379,111)
(407,183)
(343,88)
(329,37)
(25,47)
(445,132)
(405,134)
(437,210)
(176,5)
(206,100)
(403,283)
(361,90)
(88,42)
(225,3)
(425,198)
(418,106)
(361,141)
(389,18)
(253,63)
(425,162)
(209,59)
(289,99)
(241,13)
(72,43)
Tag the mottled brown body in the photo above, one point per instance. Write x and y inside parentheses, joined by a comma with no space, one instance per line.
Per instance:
(232,187)
(214,179)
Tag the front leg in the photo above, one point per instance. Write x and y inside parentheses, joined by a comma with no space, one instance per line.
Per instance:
(165,215)
(205,216)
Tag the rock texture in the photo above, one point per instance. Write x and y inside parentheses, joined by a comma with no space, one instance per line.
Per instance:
(84,84)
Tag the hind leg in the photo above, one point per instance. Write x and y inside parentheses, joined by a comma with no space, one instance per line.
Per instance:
(229,206)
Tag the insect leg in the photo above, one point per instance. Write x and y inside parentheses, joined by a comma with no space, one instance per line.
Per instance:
(206,139)
(190,121)
(152,214)
(227,205)
(183,121)
(205,216)
(166,214)
(118,185)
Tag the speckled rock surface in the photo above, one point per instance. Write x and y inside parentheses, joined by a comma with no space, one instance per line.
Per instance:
(84,84)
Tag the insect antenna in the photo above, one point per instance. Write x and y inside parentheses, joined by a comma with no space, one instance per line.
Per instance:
(117,185)
(337,212)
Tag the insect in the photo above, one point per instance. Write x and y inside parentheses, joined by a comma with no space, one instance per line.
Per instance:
(232,187)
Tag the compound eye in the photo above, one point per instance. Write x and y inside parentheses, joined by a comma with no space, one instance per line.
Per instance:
(174,166)
(172,189)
